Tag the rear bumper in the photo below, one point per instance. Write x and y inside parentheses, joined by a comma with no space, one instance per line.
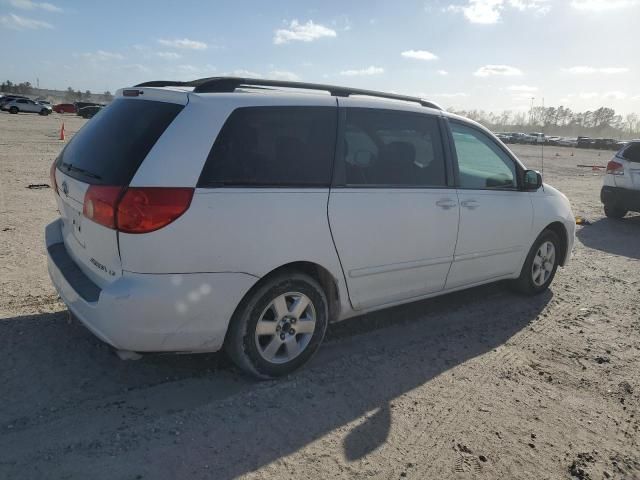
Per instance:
(148,312)
(621,197)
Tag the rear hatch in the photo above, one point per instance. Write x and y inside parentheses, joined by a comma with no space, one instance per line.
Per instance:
(629,157)
(107,152)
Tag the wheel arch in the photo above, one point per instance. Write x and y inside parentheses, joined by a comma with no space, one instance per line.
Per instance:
(559,229)
(316,271)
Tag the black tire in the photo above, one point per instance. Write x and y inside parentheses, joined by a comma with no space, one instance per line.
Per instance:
(612,211)
(525,283)
(242,344)
(44,112)
(14,110)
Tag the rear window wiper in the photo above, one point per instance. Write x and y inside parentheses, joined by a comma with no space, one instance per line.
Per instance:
(83,171)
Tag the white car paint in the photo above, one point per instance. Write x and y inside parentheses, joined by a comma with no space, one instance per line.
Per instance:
(175,289)
(26,105)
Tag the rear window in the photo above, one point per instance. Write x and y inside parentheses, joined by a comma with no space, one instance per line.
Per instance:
(109,149)
(632,152)
(273,146)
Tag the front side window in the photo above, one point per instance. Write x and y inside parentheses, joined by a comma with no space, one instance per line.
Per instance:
(391,148)
(481,163)
(273,146)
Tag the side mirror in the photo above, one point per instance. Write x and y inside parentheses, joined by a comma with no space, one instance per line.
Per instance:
(532,180)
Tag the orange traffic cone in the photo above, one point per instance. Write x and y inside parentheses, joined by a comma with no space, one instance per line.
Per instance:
(62,132)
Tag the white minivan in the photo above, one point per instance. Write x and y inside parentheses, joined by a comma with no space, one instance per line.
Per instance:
(248,214)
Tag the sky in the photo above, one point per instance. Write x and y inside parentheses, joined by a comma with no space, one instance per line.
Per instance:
(493,55)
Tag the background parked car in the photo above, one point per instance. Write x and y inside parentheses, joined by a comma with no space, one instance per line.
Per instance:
(605,144)
(27,106)
(8,98)
(568,142)
(585,142)
(64,108)
(90,111)
(81,105)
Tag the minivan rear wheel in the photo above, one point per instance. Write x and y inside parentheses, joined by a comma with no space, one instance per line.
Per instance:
(13,110)
(279,326)
(612,211)
(540,265)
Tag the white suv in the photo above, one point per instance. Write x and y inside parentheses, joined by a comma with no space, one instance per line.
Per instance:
(247,214)
(621,190)
(26,105)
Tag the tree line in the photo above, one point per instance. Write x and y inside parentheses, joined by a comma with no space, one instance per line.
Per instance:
(69,95)
(561,121)
(24,88)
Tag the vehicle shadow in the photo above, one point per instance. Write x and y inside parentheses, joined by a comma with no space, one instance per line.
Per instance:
(58,375)
(619,237)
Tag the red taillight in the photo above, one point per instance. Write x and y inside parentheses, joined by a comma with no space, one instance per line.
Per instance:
(135,209)
(52,175)
(145,209)
(100,203)
(615,168)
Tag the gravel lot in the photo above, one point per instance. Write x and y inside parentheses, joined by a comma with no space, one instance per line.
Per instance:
(479,384)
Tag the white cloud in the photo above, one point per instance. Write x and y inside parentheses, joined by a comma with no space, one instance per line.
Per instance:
(307,32)
(284,75)
(587,70)
(541,7)
(489,11)
(450,95)
(419,55)
(522,88)
(16,22)
(169,55)
(602,5)
(444,73)
(502,70)
(615,95)
(102,55)
(480,11)
(363,71)
(29,5)
(244,73)
(183,43)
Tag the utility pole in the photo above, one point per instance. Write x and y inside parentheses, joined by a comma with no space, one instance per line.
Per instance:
(531,111)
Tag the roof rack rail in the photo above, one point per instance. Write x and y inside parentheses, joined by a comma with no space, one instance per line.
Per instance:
(229,84)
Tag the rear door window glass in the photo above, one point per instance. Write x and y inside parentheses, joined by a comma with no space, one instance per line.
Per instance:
(109,149)
(389,148)
(273,146)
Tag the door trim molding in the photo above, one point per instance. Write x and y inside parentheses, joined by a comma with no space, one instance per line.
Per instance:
(396,267)
(488,253)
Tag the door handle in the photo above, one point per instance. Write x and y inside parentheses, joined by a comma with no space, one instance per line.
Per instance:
(470,204)
(446,203)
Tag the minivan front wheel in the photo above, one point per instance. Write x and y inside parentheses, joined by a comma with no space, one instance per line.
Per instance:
(279,326)
(540,265)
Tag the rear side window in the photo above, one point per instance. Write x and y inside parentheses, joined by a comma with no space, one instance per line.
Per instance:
(385,148)
(632,152)
(273,146)
(109,149)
